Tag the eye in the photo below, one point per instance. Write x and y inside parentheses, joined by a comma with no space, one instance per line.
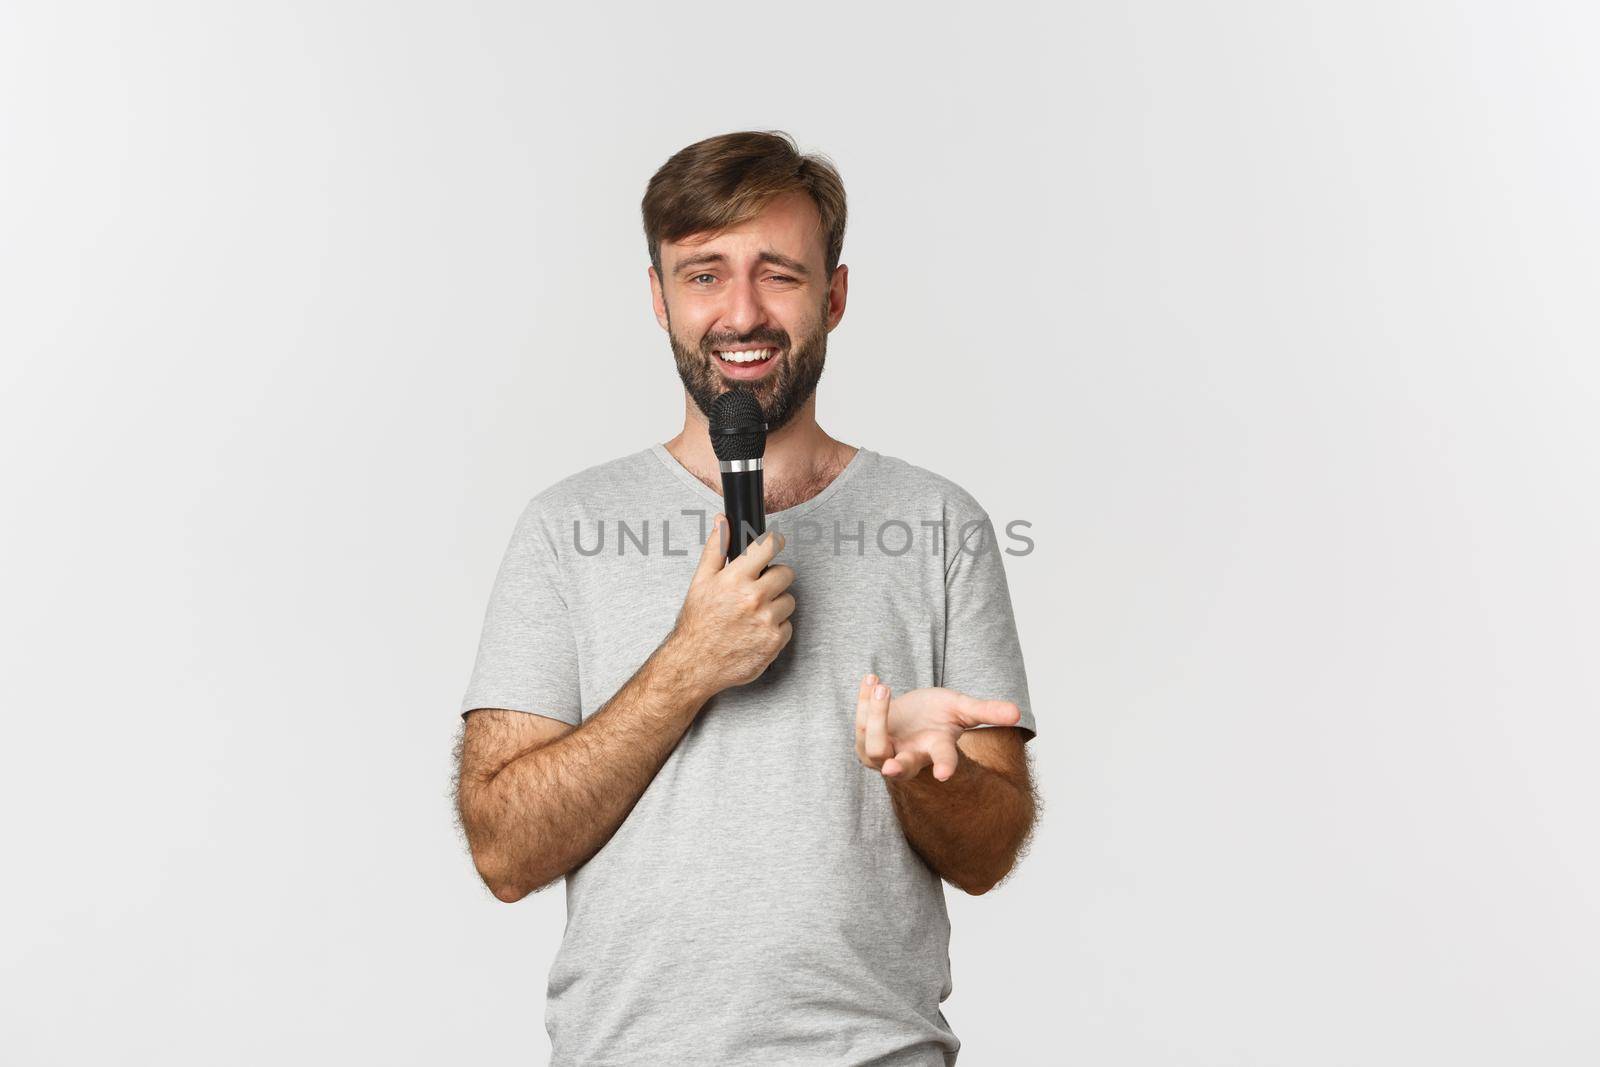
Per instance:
(697,277)
(781,278)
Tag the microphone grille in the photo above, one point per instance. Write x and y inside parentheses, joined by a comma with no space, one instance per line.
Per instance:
(738,428)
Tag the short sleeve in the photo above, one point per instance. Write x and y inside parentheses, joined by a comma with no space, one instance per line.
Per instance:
(527,656)
(982,654)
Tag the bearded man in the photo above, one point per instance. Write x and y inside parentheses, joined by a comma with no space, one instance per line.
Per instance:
(754,775)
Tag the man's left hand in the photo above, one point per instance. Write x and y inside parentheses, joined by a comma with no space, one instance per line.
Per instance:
(900,735)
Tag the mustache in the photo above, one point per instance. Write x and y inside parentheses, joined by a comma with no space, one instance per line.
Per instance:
(765,338)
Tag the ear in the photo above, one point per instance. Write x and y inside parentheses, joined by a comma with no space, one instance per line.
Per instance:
(838,289)
(658,299)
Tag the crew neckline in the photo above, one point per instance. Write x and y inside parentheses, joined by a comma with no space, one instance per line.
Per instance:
(862,458)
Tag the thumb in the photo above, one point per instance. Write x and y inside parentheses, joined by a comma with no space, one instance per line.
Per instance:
(908,763)
(975,712)
(714,554)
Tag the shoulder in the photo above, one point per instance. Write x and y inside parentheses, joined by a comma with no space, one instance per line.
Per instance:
(915,494)
(601,488)
(923,489)
(612,478)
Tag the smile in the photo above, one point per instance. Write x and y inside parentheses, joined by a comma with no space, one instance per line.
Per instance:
(746,364)
(747,355)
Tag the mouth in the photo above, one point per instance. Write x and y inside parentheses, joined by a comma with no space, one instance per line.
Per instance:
(745,363)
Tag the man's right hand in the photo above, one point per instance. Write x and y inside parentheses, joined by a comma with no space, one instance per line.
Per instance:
(536,807)
(735,619)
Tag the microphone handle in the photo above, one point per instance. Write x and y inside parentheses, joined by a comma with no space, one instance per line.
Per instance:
(744,503)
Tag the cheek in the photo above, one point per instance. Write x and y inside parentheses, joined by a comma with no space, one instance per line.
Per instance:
(800,322)
(692,325)
(689,345)
(686,331)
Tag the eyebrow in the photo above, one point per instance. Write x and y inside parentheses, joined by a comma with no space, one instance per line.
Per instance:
(766,255)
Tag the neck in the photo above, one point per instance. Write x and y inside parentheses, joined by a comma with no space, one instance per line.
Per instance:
(796,455)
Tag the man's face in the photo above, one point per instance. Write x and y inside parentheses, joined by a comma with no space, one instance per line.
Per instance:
(756,290)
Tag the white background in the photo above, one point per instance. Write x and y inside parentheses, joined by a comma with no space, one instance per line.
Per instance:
(1276,320)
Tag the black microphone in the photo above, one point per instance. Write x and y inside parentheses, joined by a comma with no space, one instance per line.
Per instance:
(739,438)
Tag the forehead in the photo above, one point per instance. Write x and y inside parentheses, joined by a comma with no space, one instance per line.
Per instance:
(789,224)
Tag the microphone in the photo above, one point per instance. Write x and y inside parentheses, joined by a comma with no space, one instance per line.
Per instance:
(739,438)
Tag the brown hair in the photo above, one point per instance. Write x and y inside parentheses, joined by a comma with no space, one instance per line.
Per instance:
(728,179)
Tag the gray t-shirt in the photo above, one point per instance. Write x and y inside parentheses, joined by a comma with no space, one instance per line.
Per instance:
(760,904)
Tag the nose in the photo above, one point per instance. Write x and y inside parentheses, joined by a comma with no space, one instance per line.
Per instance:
(743,311)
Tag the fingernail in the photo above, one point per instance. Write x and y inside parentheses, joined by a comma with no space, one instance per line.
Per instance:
(880,692)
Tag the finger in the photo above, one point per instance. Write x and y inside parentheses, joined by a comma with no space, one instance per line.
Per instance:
(863,689)
(878,748)
(758,555)
(714,552)
(863,692)
(972,712)
(782,607)
(907,764)
(775,580)
(945,756)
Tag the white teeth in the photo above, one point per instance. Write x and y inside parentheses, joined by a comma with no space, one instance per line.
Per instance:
(753,356)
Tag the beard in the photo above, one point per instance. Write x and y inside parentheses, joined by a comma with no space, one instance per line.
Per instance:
(784,389)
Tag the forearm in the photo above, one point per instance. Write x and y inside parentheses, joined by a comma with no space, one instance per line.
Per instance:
(970,828)
(550,810)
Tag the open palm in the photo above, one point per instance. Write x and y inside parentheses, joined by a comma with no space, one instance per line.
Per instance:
(900,735)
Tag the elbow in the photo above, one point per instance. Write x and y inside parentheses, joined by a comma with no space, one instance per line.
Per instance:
(500,879)
(1001,864)
(501,860)
(509,883)
(977,883)
(505,892)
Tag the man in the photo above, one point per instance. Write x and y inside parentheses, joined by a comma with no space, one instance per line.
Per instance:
(751,824)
